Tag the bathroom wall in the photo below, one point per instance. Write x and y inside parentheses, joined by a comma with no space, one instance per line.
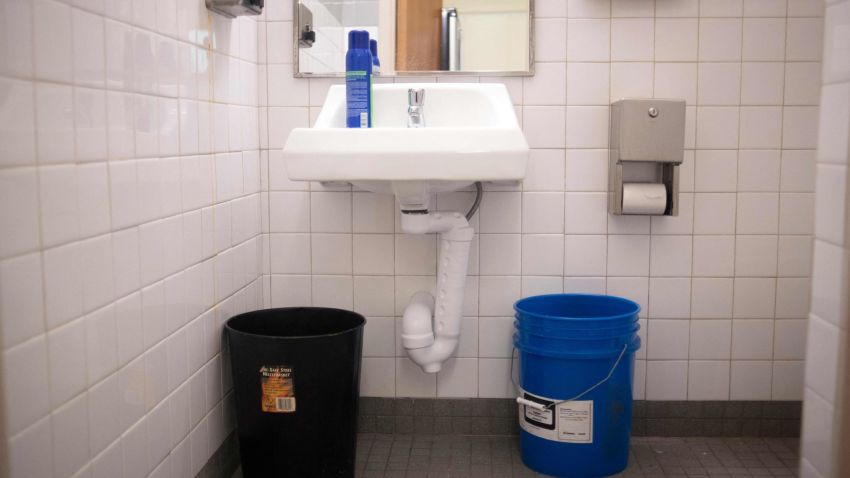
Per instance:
(826,391)
(724,287)
(129,222)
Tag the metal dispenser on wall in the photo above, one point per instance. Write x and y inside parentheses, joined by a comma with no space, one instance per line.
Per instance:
(647,144)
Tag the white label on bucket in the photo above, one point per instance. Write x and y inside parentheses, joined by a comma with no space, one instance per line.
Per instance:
(572,421)
(575,421)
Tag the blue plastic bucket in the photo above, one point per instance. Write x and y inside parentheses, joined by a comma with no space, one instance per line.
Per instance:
(580,348)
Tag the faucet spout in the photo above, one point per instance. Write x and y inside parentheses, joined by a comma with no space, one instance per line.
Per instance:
(415,108)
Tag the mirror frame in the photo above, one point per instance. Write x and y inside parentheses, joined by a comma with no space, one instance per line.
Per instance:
(296,73)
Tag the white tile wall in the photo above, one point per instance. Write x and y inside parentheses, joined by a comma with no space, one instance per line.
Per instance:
(826,353)
(723,286)
(131,229)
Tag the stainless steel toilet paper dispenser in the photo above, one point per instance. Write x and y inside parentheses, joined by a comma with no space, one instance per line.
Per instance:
(647,141)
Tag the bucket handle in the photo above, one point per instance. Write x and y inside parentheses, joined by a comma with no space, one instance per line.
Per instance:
(540,406)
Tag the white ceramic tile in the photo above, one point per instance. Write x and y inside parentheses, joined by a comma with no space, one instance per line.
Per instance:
(714,213)
(628,80)
(544,126)
(333,291)
(795,213)
(817,432)
(750,380)
(755,256)
(758,213)
(628,255)
(378,379)
(765,8)
(788,380)
(670,256)
(802,80)
(588,40)
(373,254)
(710,339)
(717,127)
(632,39)
(708,380)
(541,254)
(758,170)
(500,212)
(761,127)
(588,83)
(25,379)
(550,35)
(668,339)
(754,298)
(719,84)
(585,255)
(676,39)
(711,298)
(795,256)
(669,298)
(547,86)
(676,8)
(21,299)
(545,171)
(752,339)
(30,452)
(66,350)
(101,344)
(411,381)
(497,295)
(104,413)
(721,8)
(52,34)
(372,213)
(764,39)
(798,171)
(17,123)
(720,39)
(55,122)
(666,380)
(458,378)
(494,378)
(70,436)
(762,83)
(804,37)
(63,284)
(97,272)
(676,80)
(88,47)
(716,171)
(585,213)
(829,212)
(495,337)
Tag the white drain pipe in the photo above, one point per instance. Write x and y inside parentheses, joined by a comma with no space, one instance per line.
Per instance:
(431,325)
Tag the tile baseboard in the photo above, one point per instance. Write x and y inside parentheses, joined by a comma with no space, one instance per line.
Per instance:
(485,416)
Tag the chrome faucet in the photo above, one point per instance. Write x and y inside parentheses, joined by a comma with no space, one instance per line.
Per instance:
(415,108)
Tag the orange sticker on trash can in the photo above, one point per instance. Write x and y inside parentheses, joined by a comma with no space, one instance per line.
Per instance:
(278,388)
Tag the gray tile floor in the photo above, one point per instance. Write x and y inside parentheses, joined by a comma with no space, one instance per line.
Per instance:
(441,456)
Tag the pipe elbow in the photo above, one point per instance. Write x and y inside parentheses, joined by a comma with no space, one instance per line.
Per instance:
(417,328)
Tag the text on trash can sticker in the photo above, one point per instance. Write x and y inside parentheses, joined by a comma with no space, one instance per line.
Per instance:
(278,388)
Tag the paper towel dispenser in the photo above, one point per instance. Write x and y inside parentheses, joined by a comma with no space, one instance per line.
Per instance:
(647,142)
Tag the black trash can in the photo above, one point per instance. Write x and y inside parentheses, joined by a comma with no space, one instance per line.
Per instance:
(296,376)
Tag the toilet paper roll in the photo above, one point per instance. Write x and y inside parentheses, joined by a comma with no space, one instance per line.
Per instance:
(644,198)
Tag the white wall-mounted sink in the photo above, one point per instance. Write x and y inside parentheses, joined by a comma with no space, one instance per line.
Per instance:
(471,134)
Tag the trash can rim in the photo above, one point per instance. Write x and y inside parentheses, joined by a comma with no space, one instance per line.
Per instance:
(518,304)
(227,324)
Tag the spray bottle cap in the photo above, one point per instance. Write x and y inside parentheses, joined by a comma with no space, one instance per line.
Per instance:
(373,48)
(358,39)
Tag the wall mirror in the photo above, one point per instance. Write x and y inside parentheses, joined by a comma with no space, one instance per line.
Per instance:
(417,37)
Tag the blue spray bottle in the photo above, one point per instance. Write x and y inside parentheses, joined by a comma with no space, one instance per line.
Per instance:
(376,63)
(358,80)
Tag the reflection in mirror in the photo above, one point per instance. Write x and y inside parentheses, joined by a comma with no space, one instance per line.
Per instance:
(417,36)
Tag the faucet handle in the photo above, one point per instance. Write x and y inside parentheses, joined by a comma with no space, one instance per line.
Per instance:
(415,96)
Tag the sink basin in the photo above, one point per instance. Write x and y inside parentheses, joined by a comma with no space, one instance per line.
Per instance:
(471,134)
